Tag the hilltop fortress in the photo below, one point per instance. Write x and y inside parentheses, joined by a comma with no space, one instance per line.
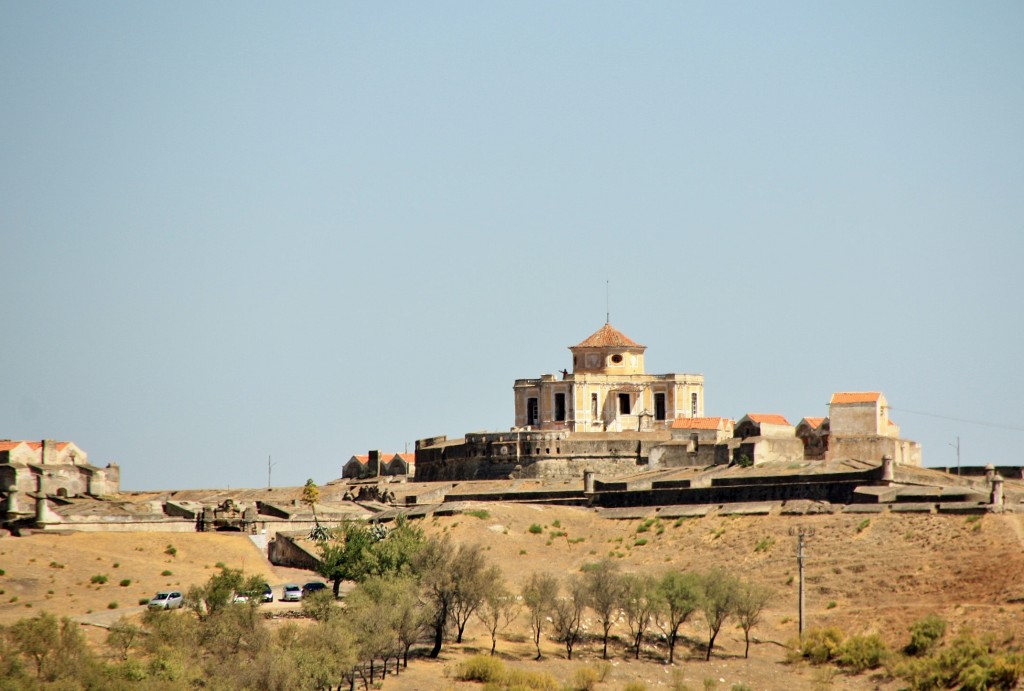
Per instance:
(610,417)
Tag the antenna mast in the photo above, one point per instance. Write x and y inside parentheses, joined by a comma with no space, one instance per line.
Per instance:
(607,310)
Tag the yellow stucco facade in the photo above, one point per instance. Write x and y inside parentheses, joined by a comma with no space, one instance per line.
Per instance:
(607,391)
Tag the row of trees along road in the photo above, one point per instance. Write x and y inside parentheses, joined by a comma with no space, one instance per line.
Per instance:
(643,600)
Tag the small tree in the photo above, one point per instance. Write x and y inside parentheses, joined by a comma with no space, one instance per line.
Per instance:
(718,602)
(497,611)
(217,593)
(473,578)
(751,600)
(122,636)
(604,595)
(433,564)
(568,611)
(680,592)
(539,594)
(311,497)
(641,602)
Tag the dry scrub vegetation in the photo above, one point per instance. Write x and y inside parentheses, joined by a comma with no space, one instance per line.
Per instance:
(870,582)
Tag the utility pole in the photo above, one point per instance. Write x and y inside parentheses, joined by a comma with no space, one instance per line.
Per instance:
(269,466)
(801,533)
(957,447)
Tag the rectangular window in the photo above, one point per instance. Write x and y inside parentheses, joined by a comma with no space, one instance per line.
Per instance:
(659,406)
(531,411)
(624,404)
(593,406)
(559,407)
(693,405)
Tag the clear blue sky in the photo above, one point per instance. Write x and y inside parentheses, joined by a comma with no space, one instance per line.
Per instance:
(232,230)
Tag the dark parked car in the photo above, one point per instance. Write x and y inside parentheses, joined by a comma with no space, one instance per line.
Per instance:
(268,593)
(313,587)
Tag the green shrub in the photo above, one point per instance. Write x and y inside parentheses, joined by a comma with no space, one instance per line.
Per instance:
(99,579)
(645,525)
(165,572)
(764,545)
(556,534)
(556,523)
(143,600)
(56,565)
(821,645)
(125,582)
(640,542)
(482,514)
(112,605)
(536,529)
(635,686)
(481,668)
(861,653)
(171,550)
(862,526)
(925,635)
(831,604)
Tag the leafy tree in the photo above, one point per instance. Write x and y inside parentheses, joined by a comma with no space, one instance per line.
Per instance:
(680,592)
(218,592)
(641,602)
(325,655)
(396,554)
(604,595)
(37,639)
(473,579)
(320,605)
(568,613)
(438,579)
(539,594)
(368,612)
(497,611)
(56,647)
(123,636)
(311,497)
(345,555)
(751,600)
(719,595)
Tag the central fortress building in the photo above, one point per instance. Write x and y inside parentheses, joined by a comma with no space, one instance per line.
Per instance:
(610,417)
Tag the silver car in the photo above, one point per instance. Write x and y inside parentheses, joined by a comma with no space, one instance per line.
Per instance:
(291,593)
(168,600)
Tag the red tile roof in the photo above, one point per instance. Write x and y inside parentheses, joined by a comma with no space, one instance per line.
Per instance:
(608,337)
(856,397)
(699,422)
(7,445)
(814,422)
(768,419)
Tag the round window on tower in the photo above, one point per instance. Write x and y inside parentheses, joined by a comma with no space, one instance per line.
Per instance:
(617,359)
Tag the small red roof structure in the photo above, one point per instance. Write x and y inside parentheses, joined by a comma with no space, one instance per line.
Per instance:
(855,397)
(767,419)
(814,422)
(609,337)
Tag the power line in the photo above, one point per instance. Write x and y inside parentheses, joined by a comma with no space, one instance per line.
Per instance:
(960,419)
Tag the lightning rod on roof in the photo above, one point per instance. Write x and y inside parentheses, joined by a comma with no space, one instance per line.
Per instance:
(607,310)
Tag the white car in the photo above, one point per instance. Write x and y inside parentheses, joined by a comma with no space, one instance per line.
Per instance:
(291,593)
(168,600)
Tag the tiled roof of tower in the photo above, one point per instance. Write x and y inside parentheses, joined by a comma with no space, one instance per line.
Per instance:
(768,419)
(814,422)
(855,397)
(698,422)
(608,337)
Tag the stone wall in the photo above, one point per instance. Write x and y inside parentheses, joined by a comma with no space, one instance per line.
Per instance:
(531,454)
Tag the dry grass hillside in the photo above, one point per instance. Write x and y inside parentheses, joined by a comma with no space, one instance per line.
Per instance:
(875,573)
